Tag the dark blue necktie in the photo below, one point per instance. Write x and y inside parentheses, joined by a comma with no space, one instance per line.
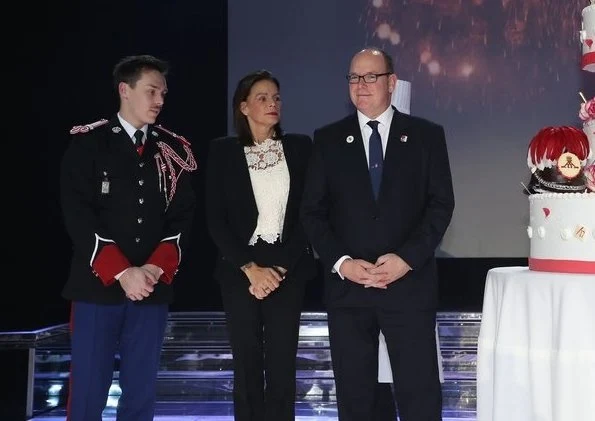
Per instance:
(375,157)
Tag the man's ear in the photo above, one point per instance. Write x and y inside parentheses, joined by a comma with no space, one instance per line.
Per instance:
(392,82)
(123,89)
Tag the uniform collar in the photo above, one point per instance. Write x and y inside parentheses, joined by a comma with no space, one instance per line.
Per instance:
(130,129)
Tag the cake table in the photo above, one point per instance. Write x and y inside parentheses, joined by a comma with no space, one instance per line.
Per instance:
(536,347)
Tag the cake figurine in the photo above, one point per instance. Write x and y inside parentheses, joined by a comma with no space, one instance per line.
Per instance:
(587,37)
(558,157)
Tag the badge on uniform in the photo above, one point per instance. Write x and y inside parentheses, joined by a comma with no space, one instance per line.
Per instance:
(105,184)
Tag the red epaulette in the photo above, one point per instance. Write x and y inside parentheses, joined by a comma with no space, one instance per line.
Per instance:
(177,136)
(88,127)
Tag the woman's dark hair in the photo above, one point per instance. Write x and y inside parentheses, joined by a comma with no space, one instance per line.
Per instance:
(240,121)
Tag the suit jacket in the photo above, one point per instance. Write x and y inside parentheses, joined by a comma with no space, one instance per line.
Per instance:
(121,209)
(232,213)
(413,211)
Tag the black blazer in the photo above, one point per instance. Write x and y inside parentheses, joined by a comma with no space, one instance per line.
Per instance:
(232,213)
(413,210)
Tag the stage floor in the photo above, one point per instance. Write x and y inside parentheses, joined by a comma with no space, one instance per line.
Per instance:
(195,380)
(222,411)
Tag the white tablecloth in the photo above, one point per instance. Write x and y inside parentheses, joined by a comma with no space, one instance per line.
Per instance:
(536,349)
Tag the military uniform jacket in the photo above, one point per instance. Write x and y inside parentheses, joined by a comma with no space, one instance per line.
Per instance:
(123,209)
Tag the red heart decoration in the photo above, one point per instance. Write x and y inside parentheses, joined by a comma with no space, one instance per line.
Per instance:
(589,42)
(546,211)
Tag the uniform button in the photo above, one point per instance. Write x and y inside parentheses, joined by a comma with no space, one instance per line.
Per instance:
(141,200)
(139,220)
(141,164)
(137,240)
(141,182)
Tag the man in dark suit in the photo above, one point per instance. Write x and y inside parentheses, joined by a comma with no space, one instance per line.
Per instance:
(378,199)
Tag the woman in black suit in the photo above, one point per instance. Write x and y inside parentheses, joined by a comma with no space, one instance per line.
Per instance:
(254,188)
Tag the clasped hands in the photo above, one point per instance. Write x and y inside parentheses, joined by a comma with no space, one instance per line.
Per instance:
(264,280)
(139,282)
(387,269)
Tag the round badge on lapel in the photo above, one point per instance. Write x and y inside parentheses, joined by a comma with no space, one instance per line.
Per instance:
(349,139)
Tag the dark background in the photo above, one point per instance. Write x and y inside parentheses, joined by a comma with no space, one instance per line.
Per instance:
(68,50)
(58,74)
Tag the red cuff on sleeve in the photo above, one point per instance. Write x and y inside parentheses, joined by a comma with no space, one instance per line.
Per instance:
(166,257)
(109,262)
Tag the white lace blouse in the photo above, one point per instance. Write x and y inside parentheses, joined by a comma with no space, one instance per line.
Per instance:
(270,183)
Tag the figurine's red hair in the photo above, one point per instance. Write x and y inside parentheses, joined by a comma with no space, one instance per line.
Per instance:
(551,142)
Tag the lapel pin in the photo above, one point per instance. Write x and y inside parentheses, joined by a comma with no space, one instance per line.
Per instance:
(116,129)
(154,133)
(349,139)
(403,138)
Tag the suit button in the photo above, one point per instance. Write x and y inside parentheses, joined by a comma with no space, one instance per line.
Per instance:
(139,220)
(141,182)
(137,240)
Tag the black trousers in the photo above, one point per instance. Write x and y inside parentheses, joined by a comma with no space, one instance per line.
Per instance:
(384,403)
(411,342)
(264,339)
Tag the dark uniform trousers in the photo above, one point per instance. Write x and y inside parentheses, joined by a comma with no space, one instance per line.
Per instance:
(95,342)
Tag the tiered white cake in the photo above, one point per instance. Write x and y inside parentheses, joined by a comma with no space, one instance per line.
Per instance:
(561,201)
(562,232)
